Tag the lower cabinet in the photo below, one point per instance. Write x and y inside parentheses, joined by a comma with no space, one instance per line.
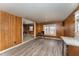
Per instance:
(72,50)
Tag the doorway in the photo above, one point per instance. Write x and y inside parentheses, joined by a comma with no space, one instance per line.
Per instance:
(28,30)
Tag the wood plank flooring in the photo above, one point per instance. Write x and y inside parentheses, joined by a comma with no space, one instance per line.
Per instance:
(27,37)
(37,47)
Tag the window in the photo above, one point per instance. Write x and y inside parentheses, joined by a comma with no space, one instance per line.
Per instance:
(30,28)
(50,29)
(76,22)
(78,26)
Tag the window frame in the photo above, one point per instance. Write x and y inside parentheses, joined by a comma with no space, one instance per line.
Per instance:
(78,26)
(49,32)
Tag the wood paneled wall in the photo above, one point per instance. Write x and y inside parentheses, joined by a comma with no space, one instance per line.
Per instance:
(69,24)
(10,30)
(59,28)
(39,27)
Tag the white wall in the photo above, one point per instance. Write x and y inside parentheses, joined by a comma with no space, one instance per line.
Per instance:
(26,21)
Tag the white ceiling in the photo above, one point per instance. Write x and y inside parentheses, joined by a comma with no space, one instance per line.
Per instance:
(40,12)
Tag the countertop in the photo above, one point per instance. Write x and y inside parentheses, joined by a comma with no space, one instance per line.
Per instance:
(74,41)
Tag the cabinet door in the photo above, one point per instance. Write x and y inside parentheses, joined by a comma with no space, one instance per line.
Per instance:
(73,51)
